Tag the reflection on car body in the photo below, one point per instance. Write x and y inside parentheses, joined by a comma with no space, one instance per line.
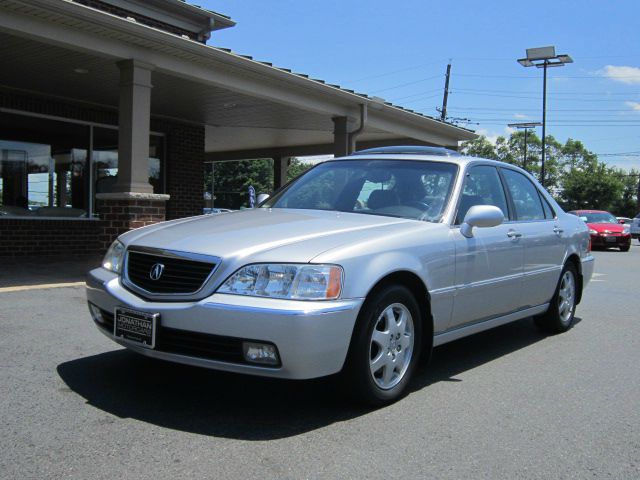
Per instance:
(360,266)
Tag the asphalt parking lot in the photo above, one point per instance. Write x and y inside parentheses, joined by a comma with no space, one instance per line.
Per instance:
(508,403)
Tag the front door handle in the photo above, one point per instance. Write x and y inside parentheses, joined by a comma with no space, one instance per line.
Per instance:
(513,234)
(557,230)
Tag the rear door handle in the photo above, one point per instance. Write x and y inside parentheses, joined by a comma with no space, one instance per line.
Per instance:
(513,234)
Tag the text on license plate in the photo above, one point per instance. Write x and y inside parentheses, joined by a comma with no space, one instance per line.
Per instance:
(135,326)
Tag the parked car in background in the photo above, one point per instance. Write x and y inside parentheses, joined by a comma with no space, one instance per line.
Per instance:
(635,226)
(605,230)
(215,211)
(360,266)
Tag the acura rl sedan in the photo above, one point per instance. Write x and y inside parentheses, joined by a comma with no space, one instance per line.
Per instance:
(359,267)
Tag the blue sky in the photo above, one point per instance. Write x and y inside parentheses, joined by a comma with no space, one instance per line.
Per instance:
(399,51)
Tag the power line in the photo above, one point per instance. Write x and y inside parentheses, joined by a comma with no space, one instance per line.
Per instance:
(605,125)
(406,84)
(612,118)
(397,99)
(493,109)
(562,120)
(618,154)
(393,72)
(481,75)
(550,93)
(537,98)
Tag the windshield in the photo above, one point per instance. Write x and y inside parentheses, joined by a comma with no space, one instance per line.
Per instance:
(397,188)
(598,217)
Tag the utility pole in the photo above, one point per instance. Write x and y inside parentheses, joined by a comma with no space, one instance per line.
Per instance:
(544,120)
(526,126)
(443,117)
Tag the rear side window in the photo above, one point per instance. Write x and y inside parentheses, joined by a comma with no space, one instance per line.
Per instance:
(525,196)
(548,211)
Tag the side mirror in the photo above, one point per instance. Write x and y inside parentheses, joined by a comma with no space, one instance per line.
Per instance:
(481,216)
(261,198)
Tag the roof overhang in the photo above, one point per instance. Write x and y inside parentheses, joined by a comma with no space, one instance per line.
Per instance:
(242,102)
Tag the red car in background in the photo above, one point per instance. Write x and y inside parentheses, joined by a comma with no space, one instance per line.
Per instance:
(605,230)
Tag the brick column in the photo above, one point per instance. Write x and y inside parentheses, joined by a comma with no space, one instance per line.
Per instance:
(124,211)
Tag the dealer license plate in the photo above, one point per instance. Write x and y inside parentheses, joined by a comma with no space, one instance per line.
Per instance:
(136,327)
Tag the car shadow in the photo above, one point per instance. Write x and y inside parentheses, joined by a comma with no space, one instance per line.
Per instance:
(450,360)
(245,407)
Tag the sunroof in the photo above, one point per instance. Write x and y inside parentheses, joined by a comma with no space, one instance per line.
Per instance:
(409,149)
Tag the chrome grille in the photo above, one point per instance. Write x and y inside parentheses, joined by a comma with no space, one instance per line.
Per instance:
(179,276)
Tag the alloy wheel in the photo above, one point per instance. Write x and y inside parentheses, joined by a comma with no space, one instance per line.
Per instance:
(566,296)
(391,346)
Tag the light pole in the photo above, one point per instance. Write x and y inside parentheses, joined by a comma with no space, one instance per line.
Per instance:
(544,57)
(526,126)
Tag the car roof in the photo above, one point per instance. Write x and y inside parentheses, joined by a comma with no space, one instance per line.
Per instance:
(458,159)
(590,211)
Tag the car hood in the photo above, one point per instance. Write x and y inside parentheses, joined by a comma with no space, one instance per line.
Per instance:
(266,234)
(606,227)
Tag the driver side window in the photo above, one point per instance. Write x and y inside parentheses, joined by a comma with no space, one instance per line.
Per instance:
(482,186)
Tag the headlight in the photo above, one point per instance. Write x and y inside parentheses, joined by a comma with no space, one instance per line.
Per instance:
(113,259)
(292,281)
(593,232)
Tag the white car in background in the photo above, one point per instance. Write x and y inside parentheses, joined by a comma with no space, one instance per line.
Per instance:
(360,266)
(635,227)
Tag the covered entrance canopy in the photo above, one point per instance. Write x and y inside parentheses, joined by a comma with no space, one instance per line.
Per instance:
(71,50)
(122,102)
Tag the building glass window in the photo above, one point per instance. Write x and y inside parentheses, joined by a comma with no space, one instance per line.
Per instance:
(44,165)
(105,160)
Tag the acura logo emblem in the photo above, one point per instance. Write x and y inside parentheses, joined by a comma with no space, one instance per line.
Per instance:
(156,271)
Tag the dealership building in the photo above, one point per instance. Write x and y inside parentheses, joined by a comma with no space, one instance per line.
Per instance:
(111,109)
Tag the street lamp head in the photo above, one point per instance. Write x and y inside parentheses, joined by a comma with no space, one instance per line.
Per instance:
(543,57)
(525,62)
(541,53)
(565,58)
(524,125)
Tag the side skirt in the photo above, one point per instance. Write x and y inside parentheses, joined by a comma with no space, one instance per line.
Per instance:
(464,331)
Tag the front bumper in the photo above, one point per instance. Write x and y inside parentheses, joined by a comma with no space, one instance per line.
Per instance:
(312,337)
(611,240)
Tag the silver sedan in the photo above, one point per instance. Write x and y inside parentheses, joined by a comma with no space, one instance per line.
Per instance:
(360,266)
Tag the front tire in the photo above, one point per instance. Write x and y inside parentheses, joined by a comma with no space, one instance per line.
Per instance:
(625,249)
(560,315)
(386,346)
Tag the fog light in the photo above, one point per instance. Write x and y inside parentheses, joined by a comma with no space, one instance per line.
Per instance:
(264,353)
(96,314)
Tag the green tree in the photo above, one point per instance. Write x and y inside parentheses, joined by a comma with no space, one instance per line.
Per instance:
(297,168)
(627,204)
(232,180)
(576,155)
(480,147)
(593,185)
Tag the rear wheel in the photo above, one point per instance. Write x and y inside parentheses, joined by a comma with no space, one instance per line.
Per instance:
(559,317)
(386,346)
